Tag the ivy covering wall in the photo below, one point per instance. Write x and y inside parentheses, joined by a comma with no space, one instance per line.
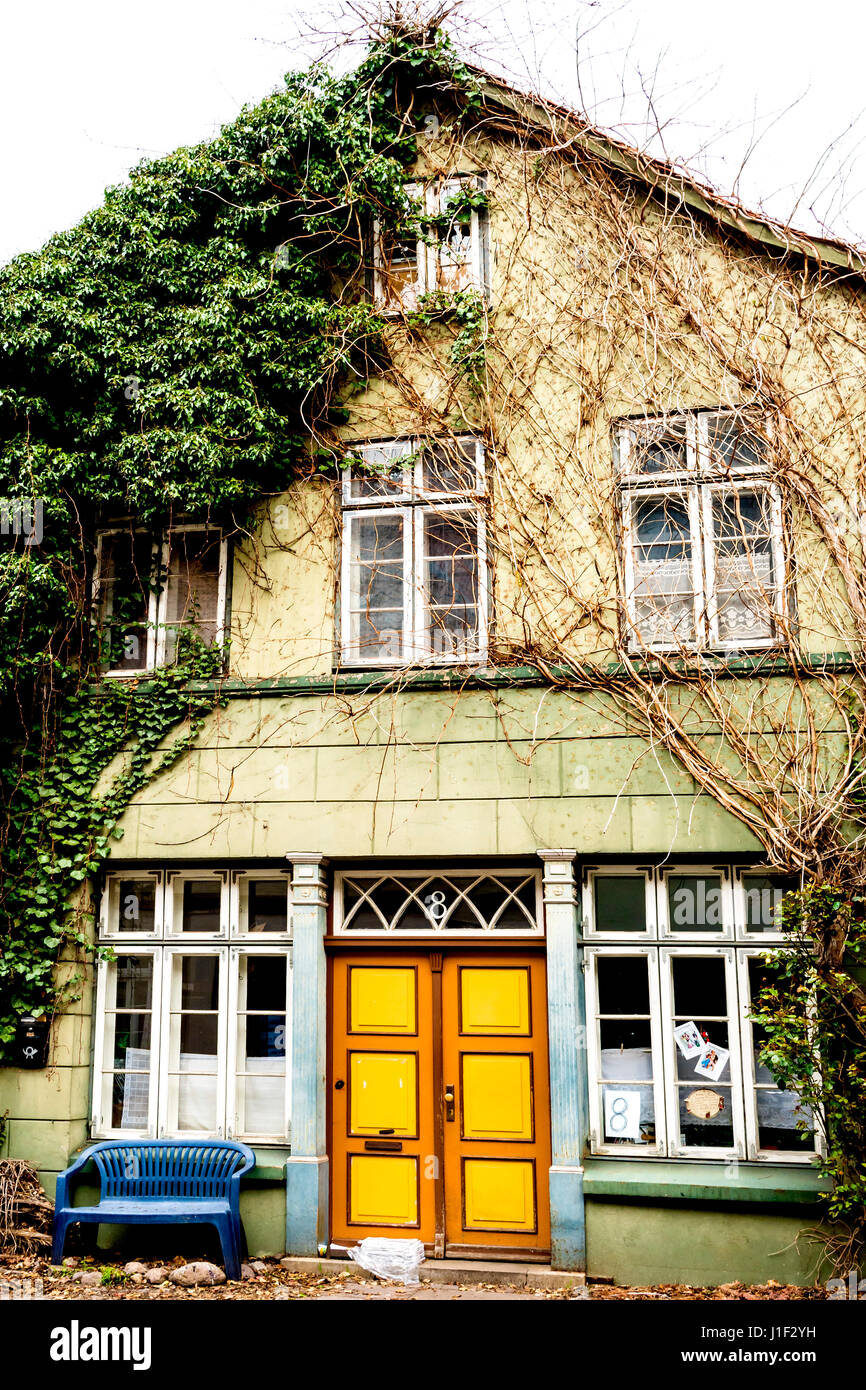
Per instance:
(181,352)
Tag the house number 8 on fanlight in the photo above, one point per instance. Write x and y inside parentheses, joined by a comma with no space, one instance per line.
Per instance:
(434,904)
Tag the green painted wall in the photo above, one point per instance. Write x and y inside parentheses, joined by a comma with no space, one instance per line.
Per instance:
(639,1243)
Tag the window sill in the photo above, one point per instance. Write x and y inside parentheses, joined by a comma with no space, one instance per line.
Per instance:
(701,1180)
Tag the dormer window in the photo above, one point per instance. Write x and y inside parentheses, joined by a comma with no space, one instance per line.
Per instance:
(451,254)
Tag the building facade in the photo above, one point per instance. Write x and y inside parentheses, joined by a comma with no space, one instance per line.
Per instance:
(429,915)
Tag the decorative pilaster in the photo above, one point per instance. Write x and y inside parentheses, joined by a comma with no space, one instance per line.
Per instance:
(307,1191)
(566,1025)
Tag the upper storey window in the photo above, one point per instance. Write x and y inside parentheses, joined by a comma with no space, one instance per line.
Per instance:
(702,526)
(149,587)
(414,569)
(451,253)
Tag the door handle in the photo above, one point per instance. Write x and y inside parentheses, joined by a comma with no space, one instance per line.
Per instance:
(449,1102)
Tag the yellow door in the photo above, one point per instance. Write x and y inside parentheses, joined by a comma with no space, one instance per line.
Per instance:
(497,1118)
(440,1121)
(382,1098)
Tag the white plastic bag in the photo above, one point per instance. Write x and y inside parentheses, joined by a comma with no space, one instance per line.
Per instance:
(389,1259)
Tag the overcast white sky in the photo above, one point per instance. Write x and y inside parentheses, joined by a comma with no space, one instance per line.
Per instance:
(90,87)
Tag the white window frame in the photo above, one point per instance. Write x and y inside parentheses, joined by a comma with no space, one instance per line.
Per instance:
(237,954)
(592,931)
(429,196)
(103,1072)
(412,503)
(239,906)
(740,890)
(801,1155)
(593,1040)
(696,483)
(736,1079)
(156,625)
(110,927)
(167,1102)
(174,882)
(447,934)
(669,933)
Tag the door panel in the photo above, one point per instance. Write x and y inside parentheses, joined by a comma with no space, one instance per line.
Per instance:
(462,1164)
(499,1195)
(383,1093)
(382,1097)
(494,1039)
(497,1096)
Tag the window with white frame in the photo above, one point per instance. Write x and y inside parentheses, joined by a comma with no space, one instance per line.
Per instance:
(703,550)
(193,1010)
(674,1059)
(414,568)
(148,588)
(449,253)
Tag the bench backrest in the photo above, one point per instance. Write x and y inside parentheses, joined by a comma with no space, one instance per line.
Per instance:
(168,1168)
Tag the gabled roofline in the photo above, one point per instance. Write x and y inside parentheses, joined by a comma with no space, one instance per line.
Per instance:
(566,127)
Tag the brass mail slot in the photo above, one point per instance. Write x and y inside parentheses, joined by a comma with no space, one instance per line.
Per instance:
(384,1145)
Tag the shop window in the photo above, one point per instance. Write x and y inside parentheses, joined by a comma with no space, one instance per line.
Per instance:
(194,1040)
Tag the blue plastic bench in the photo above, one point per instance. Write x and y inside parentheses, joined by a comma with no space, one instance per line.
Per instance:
(150,1181)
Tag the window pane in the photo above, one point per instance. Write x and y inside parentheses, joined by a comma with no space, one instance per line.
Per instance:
(194,1044)
(703,1080)
(699,988)
(267,906)
(136,905)
(132,1041)
(386,471)
(376,586)
(658,446)
(450,578)
(127,1042)
(778,1111)
(454,270)
(663,581)
(450,466)
(473,903)
(625,1049)
(202,899)
(130,1099)
(262,1045)
(199,982)
(745,577)
(191,596)
(400,282)
(695,903)
(735,442)
(620,903)
(125,565)
(763,895)
(133,982)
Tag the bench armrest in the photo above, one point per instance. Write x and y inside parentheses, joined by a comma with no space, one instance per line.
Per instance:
(61,1191)
(247,1167)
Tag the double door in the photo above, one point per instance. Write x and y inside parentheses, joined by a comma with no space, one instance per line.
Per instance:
(440,1117)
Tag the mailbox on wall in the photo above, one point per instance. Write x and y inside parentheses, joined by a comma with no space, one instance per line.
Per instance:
(31,1042)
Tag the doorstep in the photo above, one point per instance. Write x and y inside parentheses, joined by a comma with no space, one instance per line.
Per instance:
(529,1276)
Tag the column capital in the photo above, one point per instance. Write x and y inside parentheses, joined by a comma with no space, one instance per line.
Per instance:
(559,885)
(309,879)
(557,856)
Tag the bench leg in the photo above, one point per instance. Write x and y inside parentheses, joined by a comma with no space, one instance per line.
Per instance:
(230,1243)
(62,1222)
